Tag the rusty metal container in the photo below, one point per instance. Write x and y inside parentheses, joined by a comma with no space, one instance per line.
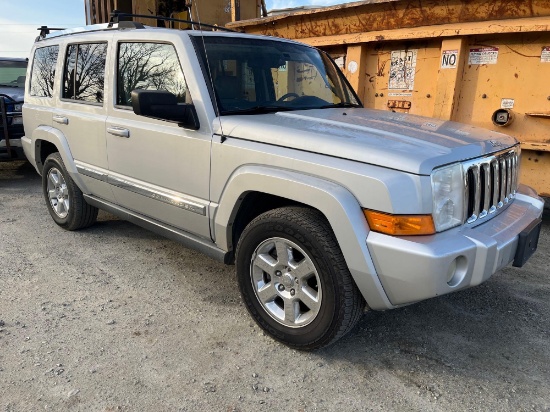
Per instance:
(218,12)
(486,63)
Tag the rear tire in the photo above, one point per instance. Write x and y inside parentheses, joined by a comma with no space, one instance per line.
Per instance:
(294,280)
(64,199)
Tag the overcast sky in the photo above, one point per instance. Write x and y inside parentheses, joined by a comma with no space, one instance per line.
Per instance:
(19,19)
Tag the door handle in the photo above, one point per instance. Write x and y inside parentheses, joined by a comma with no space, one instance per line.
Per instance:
(60,119)
(118,131)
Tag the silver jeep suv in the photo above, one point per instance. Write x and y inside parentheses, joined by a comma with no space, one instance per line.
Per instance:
(256,151)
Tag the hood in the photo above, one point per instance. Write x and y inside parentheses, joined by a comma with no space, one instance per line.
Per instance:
(16,93)
(414,144)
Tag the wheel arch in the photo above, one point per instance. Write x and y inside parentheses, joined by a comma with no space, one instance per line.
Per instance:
(341,209)
(47,140)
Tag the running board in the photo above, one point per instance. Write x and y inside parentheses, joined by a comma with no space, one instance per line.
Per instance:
(186,239)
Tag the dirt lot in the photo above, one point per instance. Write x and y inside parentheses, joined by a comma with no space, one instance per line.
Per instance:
(117,318)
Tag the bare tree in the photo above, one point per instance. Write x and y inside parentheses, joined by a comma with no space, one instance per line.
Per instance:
(148,66)
(43,71)
(85,72)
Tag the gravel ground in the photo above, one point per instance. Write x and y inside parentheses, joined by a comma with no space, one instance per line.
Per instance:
(117,318)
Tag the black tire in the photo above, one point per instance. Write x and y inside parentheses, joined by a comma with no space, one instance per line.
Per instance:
(302,234)
(68,209)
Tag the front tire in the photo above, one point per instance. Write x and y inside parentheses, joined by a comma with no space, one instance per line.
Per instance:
(294,280)
(63,197)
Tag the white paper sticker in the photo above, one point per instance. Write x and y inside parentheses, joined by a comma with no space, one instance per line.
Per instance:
(402,69)
(449,59)
(483,55)
(507,104)
(545,55)
(352,66)
(399,94)
(339,62)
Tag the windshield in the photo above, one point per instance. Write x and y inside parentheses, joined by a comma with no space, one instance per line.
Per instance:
(12,73)
(253,76)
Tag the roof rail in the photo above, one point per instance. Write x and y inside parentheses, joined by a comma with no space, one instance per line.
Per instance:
(45,31)
(116,15)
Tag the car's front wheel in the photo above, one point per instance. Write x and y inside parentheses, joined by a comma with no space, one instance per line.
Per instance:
(294,279)
(64,198)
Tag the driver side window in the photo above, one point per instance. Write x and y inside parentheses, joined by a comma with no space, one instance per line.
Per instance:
(149,66)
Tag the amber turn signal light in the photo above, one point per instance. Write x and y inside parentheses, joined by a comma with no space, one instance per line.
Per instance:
(403,225)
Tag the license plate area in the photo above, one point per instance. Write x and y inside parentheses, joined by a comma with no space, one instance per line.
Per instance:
(527,244)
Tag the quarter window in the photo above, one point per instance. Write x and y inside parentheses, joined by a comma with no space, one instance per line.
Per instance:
(84,74)
(150,66)
(43,71)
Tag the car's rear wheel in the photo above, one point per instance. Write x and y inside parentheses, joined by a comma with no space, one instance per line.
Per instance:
(64,198)
(294,279)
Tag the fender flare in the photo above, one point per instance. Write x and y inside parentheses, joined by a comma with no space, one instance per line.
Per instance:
(337,204)
(57,138)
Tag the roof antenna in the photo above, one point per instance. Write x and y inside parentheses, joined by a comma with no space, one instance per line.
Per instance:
(216,108)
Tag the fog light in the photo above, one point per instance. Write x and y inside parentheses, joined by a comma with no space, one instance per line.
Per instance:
(457,271)
(451,271)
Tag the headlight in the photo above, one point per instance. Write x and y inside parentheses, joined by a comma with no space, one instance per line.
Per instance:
(448,196)
(17,107)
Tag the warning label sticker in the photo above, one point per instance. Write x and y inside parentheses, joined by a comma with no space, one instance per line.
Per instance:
(399,94)
(402,69)
(483,55)
(545,55)
(449,59)
(507,103)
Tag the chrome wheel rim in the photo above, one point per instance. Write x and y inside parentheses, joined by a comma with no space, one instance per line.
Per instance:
(58,193)
(286,282)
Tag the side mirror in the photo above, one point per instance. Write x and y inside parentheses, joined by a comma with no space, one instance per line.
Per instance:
(163,105)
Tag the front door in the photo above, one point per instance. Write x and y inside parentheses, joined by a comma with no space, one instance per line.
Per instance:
(157,168)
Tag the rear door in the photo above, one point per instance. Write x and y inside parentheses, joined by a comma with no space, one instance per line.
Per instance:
(80,112)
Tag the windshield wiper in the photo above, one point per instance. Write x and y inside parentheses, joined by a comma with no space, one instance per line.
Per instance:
(259,110)
(343,104)
(9,85)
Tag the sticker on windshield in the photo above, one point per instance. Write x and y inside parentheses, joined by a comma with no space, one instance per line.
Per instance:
(402,69)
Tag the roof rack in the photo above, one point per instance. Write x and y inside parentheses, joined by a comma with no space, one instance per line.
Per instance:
(45,30)
(121,24)
(116,15)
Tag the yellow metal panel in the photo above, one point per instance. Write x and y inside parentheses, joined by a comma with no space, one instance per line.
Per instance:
(384,15)
(356,60)
(518,75)
(451,65)
(377,92)
(535,170)
(523,25)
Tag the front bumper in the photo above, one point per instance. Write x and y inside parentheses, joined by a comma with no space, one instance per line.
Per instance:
(412,269)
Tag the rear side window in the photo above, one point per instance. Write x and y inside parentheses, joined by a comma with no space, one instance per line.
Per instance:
(84,72)
(150,66)
(43,71)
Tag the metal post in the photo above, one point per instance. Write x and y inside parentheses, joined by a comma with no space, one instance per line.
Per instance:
(5,125)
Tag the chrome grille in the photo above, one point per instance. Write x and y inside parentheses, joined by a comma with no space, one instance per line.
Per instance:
(491,182)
